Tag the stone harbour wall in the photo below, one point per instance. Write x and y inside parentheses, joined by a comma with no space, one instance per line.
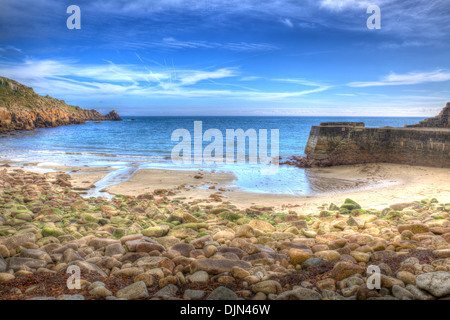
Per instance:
(345,144)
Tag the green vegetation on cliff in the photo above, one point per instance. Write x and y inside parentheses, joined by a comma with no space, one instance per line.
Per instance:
(13,94)
(22,108)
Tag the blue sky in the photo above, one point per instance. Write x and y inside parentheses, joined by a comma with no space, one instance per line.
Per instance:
(233,57)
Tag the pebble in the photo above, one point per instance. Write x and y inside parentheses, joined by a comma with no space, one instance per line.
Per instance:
(100,292)
(299,294)
(3,264)
(168,291)
(419,294)
(406,277)
(298,256)
(199,276)
(6,277)
(342,270)
(193,294)
(135,291)
(201,244)
(266,287)
(437,283)
(239,273)
(329,255)
(401,293)
(222,293)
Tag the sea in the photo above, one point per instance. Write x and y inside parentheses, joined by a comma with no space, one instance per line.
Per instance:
(146,143)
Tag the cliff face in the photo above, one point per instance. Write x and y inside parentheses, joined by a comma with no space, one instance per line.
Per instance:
(22,109)
(442,120)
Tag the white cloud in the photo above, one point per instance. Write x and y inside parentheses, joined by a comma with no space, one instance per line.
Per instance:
(245,46)
(9,49)
(250,78)
(303,82)
(287,22)
(192,77)
(339,5)
(411,78)
(170,44)
(71,79)
(174,44)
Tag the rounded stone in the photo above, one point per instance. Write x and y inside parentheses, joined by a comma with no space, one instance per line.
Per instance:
(344,269)
(239,273)
(6,277)
(135,291)
(100,292)
(298,256)
(268,286)
(360,256)
(437,283)
(329,255)
(146,278)
(199,276)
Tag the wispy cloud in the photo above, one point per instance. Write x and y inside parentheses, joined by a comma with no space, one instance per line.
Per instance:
(69,78)
(411,20)
(411,78)
(250,78)
(245,46)
(339,5)
(9,50)
(172,44)
(302,82)
(287,22)
(192,77)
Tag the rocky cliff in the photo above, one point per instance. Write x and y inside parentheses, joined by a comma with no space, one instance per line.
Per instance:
(23,109)
(442,120)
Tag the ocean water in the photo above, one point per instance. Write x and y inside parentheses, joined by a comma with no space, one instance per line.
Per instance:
(145,142)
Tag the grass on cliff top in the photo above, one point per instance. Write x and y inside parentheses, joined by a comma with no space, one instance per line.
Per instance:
(25,97)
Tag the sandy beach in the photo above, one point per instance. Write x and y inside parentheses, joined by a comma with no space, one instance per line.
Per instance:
(373,185)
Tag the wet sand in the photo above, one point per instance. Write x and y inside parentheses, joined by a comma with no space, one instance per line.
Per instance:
(372,185)
(184,183)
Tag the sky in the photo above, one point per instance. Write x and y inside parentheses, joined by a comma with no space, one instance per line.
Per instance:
(233,57)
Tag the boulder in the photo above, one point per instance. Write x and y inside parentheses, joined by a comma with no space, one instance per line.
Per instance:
(437,283)
(222,293)
(299,294)
(344,269)
(17,263)
(267,287)
(14,241)
(216,266)
(134,291)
